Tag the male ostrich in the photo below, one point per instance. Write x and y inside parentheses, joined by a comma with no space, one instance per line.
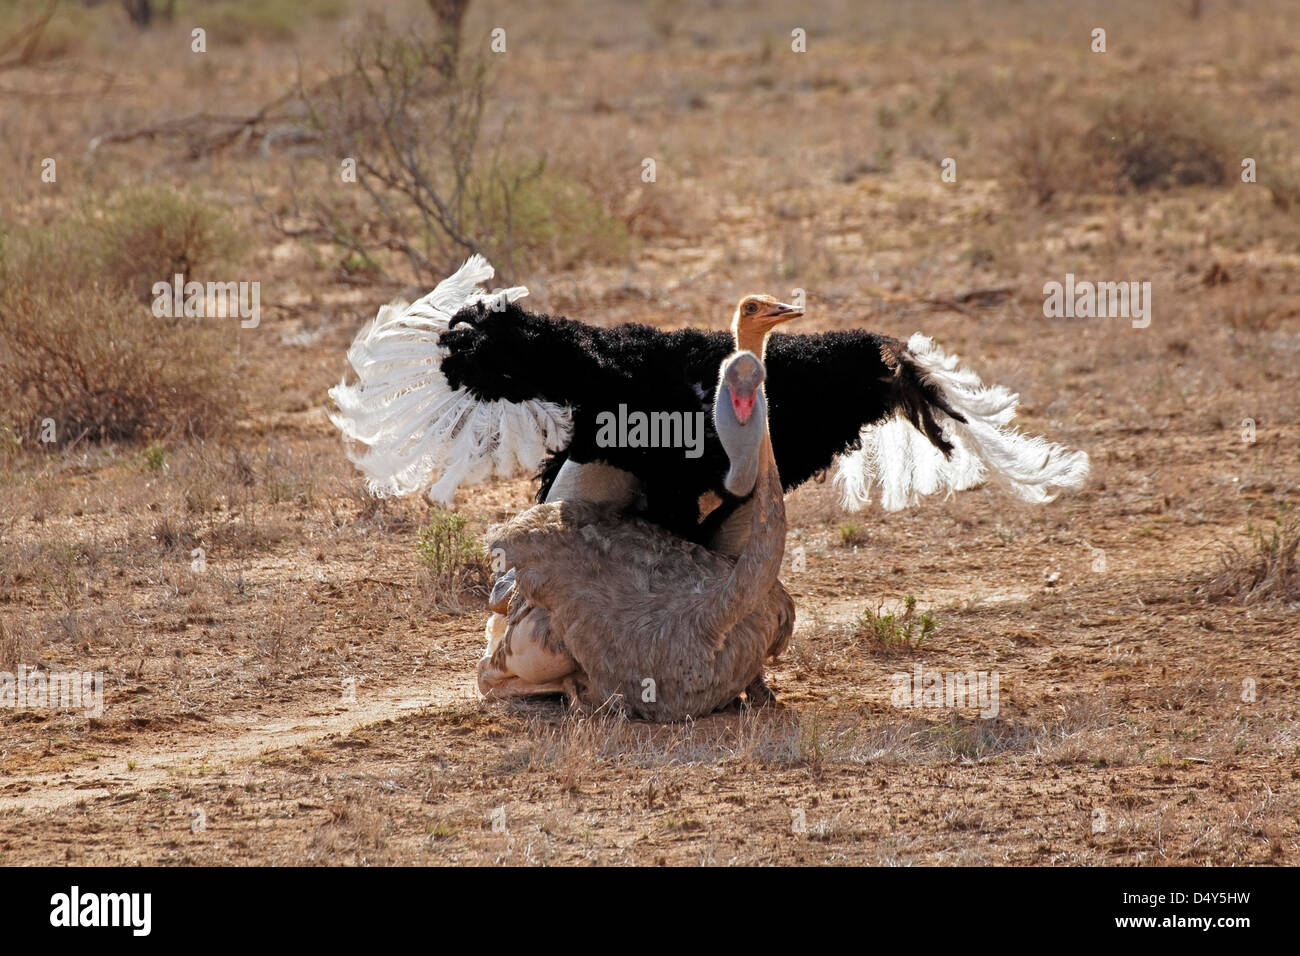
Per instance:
(606,607)
(463,384)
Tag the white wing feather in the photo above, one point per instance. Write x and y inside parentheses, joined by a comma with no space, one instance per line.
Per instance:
(901,460)
(417,431)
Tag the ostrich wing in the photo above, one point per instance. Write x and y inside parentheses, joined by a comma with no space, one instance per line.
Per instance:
(416,427)
(498,387)
(825,390)
(977,427)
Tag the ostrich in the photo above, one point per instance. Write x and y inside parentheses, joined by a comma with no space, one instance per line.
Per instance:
(604,606)
(463,384)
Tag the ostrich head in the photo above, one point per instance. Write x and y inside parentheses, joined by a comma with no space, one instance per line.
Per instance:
(740,416)
(756,316)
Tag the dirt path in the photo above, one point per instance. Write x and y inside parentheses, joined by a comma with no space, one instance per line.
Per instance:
(225,742)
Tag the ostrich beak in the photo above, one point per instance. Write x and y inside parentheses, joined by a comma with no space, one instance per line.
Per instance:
(743,406)
(781,312)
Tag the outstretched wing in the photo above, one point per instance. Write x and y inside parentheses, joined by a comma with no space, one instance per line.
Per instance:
(975,420)
(418,431)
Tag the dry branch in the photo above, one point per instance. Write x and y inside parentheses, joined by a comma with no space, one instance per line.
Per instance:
(207,132)
(27,37)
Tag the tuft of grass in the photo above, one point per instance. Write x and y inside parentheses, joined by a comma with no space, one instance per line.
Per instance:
(906,631)
(14,648)
(1265,571)
(852,534)
(155,457)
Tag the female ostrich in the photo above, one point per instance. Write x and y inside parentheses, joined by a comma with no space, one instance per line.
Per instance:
(462,384)
(608,607)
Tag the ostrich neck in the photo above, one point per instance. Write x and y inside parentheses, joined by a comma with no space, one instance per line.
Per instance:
(750,339)
(760,562)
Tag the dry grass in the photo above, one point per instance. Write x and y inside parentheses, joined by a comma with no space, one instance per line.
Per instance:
(231,23)
(1267,570)
(81,355)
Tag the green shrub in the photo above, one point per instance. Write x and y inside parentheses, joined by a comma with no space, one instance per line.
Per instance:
(907,631)
(453,556)
(149,234)
(532,216)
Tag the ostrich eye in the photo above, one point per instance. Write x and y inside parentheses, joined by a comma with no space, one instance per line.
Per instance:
(751,307)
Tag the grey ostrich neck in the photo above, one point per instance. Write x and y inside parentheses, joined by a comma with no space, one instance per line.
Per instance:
(741,442)
(759,561)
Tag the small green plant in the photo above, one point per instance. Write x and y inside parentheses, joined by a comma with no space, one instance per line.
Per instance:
(813,741)
(444,544)
(852,534)
(155,457)
(896,631)
(455,560)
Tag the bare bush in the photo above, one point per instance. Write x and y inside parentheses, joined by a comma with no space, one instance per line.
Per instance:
(78,345)
(1043,151)
(1135,141)
(1155,140)
(436,183)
